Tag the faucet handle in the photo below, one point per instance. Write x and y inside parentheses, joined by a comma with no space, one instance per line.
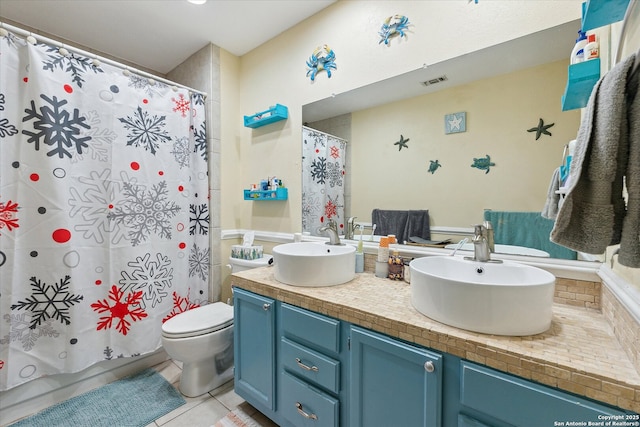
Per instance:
(478,229)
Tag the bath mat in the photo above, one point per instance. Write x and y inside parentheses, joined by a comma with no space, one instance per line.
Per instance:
(237,418)
(136,400)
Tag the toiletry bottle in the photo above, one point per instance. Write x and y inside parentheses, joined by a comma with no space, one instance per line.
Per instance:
(359,258)
(577,54)
(396,265)
(591,49)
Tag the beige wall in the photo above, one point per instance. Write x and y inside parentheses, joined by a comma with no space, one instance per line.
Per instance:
(499,111)
(275,73)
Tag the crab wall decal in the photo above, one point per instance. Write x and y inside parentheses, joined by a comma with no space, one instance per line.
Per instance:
(322,59)
(393,26)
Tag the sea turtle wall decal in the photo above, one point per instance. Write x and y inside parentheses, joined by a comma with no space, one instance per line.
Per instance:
(433,166)
(483,163)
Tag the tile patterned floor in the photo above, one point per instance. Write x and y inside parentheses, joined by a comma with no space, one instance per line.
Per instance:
(205,410)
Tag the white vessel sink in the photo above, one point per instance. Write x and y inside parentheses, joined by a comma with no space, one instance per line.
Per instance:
(314,264)
(505,249)
(501,299)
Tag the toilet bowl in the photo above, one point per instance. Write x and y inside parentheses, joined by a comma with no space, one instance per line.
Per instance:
(202,339)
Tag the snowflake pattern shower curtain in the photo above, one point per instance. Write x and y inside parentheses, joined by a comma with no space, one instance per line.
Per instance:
(323,169)
(103,210)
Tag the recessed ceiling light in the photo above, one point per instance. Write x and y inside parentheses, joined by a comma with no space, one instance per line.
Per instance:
(197,1)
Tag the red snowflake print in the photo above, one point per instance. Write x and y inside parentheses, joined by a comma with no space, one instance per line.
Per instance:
(7,215)
(1,364)
(180,305)
(330,209)
(335,152)
(182,105)
(120,310)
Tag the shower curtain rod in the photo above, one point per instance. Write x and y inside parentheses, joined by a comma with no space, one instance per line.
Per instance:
(26,33)
(325,133)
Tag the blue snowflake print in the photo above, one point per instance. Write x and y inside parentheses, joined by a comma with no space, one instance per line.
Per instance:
(199,262)
(72,63)
(145,130)
(319,170)
(6,128)
(145,212)
(198,219)
(56,127)
(151,276)
(142,83)
(200,136)
(334,174)
(49,302)
(181,151)
(21,331)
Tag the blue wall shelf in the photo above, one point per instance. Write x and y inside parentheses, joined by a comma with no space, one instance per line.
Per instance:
(582,77)
(277,194)
(598,13)
(274,114)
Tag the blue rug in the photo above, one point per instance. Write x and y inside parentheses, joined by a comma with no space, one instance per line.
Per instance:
(136,400)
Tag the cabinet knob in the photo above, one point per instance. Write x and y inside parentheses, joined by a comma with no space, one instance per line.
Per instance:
(429,366)
(266,307)
(306,367)
(304,414)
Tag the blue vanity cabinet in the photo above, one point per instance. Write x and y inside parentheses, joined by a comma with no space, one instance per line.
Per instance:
(498,399)
(254,343)
(393,383)
(309,353)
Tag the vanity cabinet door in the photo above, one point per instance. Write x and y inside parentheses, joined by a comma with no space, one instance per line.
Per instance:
(517,402)
(254,348)
(393,383)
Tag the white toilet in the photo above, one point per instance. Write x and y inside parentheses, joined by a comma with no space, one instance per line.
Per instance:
(202,339)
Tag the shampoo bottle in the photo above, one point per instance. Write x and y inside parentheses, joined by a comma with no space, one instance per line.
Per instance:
(591,49)
(577,54)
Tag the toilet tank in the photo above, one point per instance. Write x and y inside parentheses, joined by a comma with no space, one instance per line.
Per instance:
(238,264)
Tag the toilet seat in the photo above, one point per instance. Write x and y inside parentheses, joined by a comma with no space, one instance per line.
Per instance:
(199,321)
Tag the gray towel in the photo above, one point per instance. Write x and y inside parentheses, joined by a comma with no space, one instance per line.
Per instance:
(591,217)
(550,209)
(403,224)
(629,254)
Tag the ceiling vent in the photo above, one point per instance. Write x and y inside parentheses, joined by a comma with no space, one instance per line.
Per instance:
(435,81)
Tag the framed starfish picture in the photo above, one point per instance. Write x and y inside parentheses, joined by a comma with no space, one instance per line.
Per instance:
(455,122)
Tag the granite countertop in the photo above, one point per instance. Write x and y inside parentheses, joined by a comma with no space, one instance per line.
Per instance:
(579,353)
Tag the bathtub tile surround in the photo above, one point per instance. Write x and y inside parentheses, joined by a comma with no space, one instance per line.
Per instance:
(578,354)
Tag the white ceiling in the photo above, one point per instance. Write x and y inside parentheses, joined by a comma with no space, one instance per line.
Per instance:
(160,34)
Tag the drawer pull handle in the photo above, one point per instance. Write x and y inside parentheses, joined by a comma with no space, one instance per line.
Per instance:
(266,307)
(429,367)
(306,367)
(304,414)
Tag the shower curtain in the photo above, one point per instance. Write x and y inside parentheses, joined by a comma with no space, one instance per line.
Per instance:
(104,212)
(323,170)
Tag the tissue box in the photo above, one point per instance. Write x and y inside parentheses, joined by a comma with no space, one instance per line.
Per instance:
(246,252)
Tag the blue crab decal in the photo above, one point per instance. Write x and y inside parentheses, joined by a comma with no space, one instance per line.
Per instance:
(393,26)
(483,163)
(322,59)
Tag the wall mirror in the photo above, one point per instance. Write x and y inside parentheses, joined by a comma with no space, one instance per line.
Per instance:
(504,91)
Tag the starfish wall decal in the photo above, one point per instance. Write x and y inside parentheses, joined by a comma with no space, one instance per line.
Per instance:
(402,143)
(541,129)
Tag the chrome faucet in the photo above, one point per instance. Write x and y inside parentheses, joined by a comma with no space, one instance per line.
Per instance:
(481,249)
(480,245)
(488,228)
(351,228)
(332,229)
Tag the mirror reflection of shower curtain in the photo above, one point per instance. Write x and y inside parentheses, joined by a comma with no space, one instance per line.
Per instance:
(323,171)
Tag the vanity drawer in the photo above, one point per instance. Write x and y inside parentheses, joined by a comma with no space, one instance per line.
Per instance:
(310,365)
(311,328)
(517,401)
(304,405)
